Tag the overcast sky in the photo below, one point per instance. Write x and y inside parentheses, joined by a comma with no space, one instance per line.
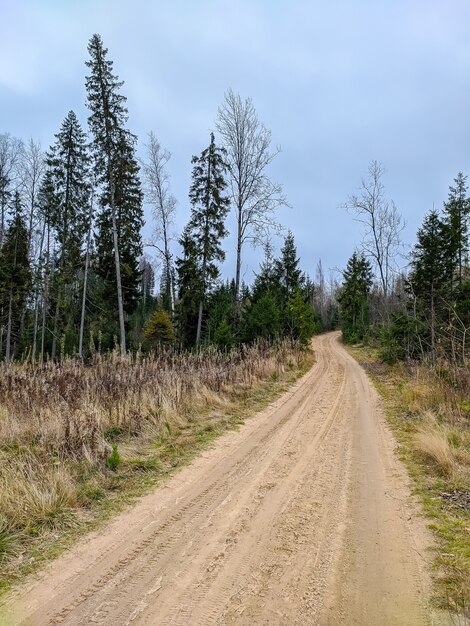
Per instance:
(339,83)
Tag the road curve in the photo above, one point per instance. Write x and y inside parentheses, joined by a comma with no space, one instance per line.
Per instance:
(304,516)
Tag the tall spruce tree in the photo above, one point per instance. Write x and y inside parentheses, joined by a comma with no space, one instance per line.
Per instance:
(456,216)
(129,222)
(15,277)
(290,275)
(208,213)
(291,281)
(353,298)
(121,216)
(429,274)
(267,279)
(66,190)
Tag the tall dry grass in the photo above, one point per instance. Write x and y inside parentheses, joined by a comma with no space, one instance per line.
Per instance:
(438,398)
(58,421)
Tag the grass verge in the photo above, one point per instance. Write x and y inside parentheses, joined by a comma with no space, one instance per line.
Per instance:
(79,443)
(428,409)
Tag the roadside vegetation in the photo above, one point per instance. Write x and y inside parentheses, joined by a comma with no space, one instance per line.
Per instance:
(429,410)
(410,329)
(79,441)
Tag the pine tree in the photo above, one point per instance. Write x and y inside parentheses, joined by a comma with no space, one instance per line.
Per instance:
(129,222)
(15,276)
(262,319)
(208,213)
(302,318)
(456,216)
(65,191)
(429,275)
(290,275)
(158,331)
(290,281)
(353,298)
(267,279)
(218,327)
(190,289)
(121,220)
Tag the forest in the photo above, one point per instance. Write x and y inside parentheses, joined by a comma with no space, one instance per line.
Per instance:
(76,277)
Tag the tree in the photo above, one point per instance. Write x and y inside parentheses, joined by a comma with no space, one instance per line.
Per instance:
(190,288)
(159,330)
(287,267)
(208,213)
(11,150)
(456,215)
(15,276)
(302,318)
(116,168)
(86,269)
(129,222)
(428,276)
(267,279)
(66,190)
(353,298)
(383,224)
(32,168)
(218,325)
(262,319)
(254,196)
(157,192)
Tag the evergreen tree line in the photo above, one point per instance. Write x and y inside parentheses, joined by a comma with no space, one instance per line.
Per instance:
(73,277)
(426,313)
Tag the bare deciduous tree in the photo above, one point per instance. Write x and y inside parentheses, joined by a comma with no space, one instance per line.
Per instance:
(255,197)
(11,150)
(383,224)
(32,170)
(157,192)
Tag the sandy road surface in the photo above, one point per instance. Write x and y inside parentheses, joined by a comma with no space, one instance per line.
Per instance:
(302,517)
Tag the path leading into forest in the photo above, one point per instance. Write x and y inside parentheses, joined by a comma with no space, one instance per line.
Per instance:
(303,516)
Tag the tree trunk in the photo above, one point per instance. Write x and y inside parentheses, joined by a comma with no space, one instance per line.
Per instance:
(9,324)
(206,243)
(199,323)
(236,304)
(433,327)
(55,325)
(85,279)
(169,273)
(36,303)
(122,327)
(45,297)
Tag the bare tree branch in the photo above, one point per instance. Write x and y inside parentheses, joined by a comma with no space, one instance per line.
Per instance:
(255,197)
(157,193)
(383,224)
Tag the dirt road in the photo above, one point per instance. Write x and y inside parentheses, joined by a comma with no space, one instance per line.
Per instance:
(302,517)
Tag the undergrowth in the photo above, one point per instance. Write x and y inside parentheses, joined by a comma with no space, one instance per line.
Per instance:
(428,407)
(78,442)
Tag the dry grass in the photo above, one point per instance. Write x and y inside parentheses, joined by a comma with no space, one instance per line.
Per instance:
(429,409)
(59,424)
(435,445)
